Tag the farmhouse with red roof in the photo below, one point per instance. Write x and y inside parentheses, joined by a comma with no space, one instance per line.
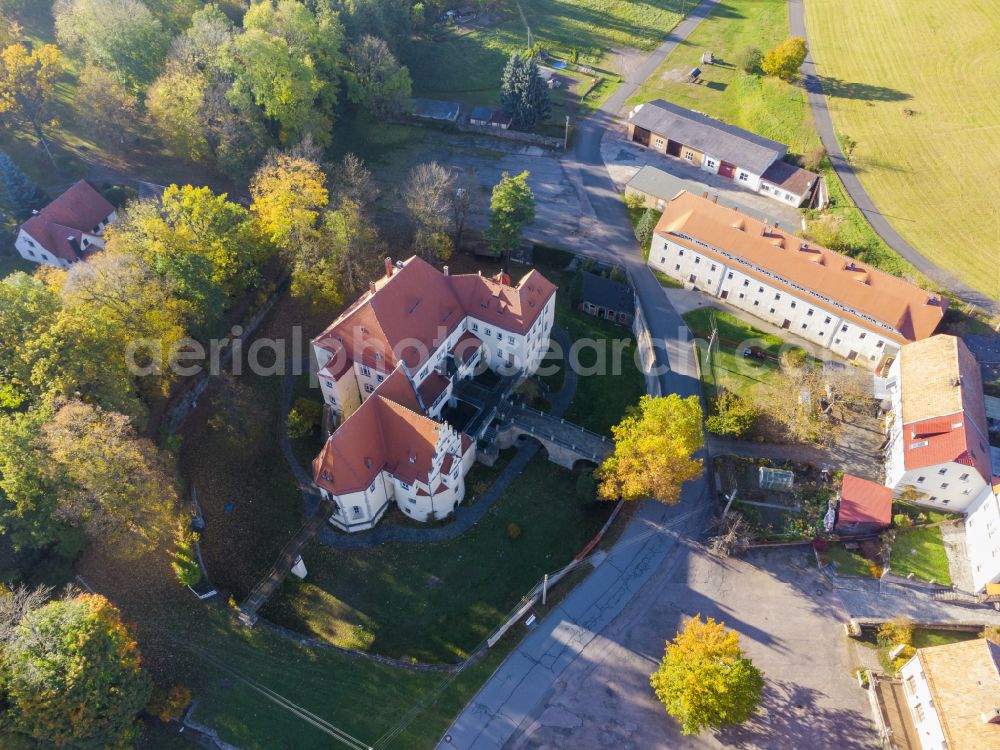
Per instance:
(938,450)
(68,228)
(388,367)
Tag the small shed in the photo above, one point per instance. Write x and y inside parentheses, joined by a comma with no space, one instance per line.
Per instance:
(780,480)
(436,110)
(500,119)
(607,299)
(695,74)
(864,508)
(480,116)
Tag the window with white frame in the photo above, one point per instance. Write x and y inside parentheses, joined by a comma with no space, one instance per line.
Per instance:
(658,143)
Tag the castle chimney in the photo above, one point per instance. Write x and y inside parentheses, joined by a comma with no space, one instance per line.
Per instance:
(705,195)
(388,267)
(371,287)
(445,270)
(715,198)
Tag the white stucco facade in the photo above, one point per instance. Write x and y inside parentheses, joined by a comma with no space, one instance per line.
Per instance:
(33,249)
(741,285)
(921,705)
(982,539)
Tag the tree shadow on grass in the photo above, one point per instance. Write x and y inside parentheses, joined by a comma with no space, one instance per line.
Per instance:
(839,89)
(788,711)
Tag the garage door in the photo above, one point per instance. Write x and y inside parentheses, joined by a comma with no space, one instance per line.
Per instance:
(640,135)
(727,170)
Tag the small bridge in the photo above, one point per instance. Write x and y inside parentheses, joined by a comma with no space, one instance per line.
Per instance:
(567,443)
(283,565)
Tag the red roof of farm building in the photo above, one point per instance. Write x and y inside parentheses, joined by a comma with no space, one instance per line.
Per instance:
(864,502)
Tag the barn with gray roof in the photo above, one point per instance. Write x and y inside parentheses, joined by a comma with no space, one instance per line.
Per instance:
(749,160)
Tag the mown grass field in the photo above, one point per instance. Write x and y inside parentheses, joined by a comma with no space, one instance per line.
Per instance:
(767,106)
(933,173)
(466,63)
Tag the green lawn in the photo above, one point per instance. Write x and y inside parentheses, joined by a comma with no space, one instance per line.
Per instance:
(921,552)
(608,379)
(766,106)
(728,368)
(926,147)
(594,28)
(925,638)
(204,647)
(436,602)
(918,514)
(848,563)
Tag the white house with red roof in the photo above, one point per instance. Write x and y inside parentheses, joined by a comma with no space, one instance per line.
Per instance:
(68,228)
(387,368)
(938,451)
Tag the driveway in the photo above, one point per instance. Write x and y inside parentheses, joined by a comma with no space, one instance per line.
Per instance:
(881,225)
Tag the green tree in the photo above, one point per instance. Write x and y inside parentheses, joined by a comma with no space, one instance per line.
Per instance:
(28,492)
(283,84)
(185,562)
(116,484)
(108,110)
(512,207)
(18,192)
(654,449)
(375,79)
(785,60)
(732,416)
(355,243)
(304,417)
(175,103)
(74,677)
(645,228)
(705,680)
(523,94)
(120,36)
(314,33)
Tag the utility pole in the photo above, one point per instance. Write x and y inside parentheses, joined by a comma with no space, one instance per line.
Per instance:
(566,137)
(545,588)
(713,340)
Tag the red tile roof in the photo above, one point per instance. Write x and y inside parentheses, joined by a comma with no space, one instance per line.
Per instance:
(416,307)
(77,211)
(466,347)
(433,386)
(864,502)
(911,312)
(944,411)
(381,434)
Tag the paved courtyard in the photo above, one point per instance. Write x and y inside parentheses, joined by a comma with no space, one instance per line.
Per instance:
(793,634)
(790,619)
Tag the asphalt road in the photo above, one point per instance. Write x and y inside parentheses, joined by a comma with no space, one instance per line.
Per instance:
(657,532)
(881,225)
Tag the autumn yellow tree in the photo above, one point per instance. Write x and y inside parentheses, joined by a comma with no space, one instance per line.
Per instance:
(654,449)
(116,484)
(785,60)
(289,198)
(27,82)
(705,680)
